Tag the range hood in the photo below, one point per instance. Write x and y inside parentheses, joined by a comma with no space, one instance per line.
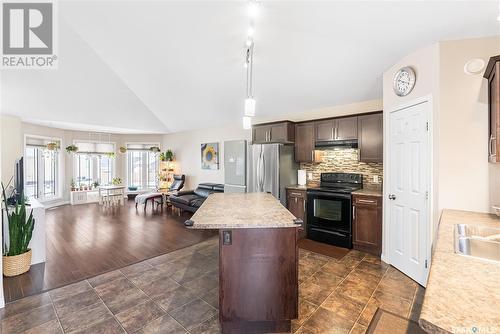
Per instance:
(349,143)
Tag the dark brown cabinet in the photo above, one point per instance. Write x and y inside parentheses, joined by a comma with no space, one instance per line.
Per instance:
(367,223)
(492,73)
(337,129)
(370,138)
(304,142)
(296,204)
(325,130)
(280,132)
(347,128)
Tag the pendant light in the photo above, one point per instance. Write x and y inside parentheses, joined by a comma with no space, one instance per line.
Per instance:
(250,102)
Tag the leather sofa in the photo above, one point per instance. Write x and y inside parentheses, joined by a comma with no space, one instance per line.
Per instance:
(191,200)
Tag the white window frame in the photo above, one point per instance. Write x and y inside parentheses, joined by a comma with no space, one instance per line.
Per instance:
(145,171)
(95,168)
(58,174)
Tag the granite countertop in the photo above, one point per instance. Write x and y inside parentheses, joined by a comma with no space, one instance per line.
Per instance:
(368,192)
(249,210)
(462,292)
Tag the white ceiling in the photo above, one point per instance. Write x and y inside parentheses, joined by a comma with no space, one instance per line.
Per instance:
(168,66)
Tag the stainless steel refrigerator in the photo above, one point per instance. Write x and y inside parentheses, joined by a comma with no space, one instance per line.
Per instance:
(271,167)
(235,157)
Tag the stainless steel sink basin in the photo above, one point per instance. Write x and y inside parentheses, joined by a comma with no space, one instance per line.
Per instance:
(477,241)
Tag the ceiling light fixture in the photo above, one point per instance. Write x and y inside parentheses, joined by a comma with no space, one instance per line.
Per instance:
(498,17)
(247,122)
(253,9)
(250,102)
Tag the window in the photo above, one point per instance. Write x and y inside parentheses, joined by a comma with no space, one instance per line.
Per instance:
(41,169)
(142,166)
(90,168)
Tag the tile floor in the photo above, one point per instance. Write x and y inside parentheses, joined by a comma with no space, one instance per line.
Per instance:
(178,293)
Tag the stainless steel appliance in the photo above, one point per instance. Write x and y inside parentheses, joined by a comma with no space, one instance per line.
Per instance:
(235,178)
(271,168)
(329,208)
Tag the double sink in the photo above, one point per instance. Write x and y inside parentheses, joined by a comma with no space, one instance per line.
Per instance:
(478,241)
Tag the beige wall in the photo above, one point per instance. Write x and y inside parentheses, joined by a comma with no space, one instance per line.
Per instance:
(462,177)
(425,62)
(466,180)
(186,145)
(15,131)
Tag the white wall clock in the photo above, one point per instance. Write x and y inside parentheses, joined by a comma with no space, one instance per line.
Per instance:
(404,81)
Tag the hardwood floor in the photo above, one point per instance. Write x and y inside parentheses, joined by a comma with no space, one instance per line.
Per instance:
(87,240)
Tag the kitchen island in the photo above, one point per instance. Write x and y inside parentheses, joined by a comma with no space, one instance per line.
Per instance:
(258,261)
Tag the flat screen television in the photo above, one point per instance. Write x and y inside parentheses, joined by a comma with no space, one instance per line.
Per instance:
(19,177)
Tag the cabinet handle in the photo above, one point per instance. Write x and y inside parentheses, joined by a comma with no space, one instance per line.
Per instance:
(312,156)
(365,201)
(490,150)
(353,212)
(295,194)
(333,135)
(336,133)
(295,199)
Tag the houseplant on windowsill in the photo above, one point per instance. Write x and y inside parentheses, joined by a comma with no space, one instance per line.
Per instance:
(71,149)
(17,259)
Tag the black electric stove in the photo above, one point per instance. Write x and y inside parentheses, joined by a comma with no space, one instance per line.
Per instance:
(329,208)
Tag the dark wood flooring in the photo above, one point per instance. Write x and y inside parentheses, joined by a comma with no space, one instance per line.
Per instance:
(87,240)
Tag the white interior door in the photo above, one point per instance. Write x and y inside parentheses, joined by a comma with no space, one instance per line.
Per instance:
(409,186)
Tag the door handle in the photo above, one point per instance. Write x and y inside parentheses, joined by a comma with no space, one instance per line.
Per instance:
(312,156)
(353,212)
(392,197)
(490,149)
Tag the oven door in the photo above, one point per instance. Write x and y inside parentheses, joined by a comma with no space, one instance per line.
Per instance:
(329,211)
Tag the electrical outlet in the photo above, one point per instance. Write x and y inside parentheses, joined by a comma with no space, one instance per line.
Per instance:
(375,179)
(309,176)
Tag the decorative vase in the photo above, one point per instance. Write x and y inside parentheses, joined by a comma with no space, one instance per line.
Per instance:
(17,264)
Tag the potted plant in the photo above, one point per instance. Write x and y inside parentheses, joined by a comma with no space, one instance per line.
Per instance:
(73,185)
(110,155)
(17,258)
(162,156)
(154,149)
(169,155)
(95,184)
(116,181)
(71,149)
(52,146)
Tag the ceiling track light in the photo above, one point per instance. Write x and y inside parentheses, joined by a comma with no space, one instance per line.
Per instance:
(250,103)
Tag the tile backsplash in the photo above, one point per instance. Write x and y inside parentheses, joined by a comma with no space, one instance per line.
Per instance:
(345,160)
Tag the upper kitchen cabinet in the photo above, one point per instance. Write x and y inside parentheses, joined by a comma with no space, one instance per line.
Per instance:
(279,132)
(345,128)
(370,137)
(304,142)
(492,73)
(325,130)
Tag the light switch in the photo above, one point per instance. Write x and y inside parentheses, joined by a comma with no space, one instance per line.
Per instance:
(375,178)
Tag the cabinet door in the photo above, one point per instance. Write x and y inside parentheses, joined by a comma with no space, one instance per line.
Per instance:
(347,128)
(279,133)
(370,138)
(304,142)
(367,228)
(260,134)
(325,130)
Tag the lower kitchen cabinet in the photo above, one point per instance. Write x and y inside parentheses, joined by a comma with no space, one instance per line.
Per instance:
(367,223)
(296,204)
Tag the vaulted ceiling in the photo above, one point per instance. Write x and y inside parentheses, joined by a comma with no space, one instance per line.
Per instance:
(168,66)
